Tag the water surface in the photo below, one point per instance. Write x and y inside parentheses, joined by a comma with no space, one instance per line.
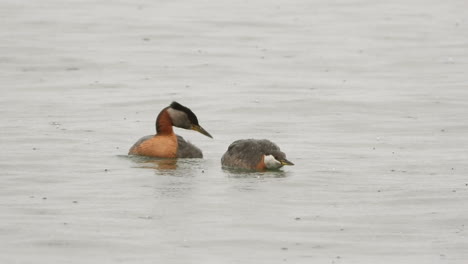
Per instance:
(368,99)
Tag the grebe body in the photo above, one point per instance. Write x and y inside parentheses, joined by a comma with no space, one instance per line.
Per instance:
(254,154)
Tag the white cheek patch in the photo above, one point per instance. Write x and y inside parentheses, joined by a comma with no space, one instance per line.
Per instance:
(271,162)
(179,118)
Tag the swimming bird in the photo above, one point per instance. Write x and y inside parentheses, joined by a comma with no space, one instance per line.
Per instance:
(254,154)
(166,144)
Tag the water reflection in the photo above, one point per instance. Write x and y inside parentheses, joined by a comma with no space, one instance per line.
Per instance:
(170,167)
(154,163)
(240,173)
(176,178)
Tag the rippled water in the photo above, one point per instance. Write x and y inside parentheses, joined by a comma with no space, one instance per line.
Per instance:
(368,99)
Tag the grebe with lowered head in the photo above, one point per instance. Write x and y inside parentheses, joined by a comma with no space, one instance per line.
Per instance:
(254,154)
(166,144)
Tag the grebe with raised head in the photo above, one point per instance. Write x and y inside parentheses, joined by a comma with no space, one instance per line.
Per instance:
(165,143)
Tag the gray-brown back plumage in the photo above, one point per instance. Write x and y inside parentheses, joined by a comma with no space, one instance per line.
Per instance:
(186,149)
(248,153)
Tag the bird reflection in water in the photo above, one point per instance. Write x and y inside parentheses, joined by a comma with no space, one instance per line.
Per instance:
(244,173)
(155,163)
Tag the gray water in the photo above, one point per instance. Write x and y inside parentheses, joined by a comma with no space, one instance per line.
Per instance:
(368,99)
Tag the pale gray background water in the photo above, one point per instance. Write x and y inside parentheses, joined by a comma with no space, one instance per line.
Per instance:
(368,98)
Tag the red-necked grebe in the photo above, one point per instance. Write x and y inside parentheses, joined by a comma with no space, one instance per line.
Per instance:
(166,144)
(254,154)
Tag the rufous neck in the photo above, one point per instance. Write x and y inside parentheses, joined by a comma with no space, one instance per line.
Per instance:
(164,123)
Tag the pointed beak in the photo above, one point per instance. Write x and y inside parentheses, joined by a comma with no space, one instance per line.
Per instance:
(201,130)
(286,162)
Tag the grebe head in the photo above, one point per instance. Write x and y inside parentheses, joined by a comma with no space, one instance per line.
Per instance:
(276,160)
(183,117)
